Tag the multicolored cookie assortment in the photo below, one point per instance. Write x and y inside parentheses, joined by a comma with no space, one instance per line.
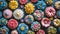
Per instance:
(29,16)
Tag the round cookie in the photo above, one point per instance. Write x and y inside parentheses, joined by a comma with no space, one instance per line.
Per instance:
(52,30)
(30,32)
(12,23)
(40,32)
(57,5)
(3,4)
(41,5)
(38,14)
(18,14)
(56,22)
(22,28)
(3,21)
(0,14)
(35,26)
(14,32)
(23,1)
(58,13)
(7,13)
(34,1)
(45,22)
(29,19)
(50,11)
(4,30)
(29,8)
(13,4)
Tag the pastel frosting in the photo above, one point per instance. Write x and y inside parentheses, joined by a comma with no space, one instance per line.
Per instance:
(14,32)
(22,28)
(30,32)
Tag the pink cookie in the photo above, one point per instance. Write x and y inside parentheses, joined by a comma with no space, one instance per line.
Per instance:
(50,11)
(34,1)
(7,13)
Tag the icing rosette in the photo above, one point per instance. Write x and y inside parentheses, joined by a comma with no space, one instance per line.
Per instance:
(57,5)
(29,8)
(50,11)
(4,30)
(56,22)
(18,14)
(29,19)
(14,32)
(45,22)
(23,1)
(22,28)
(38,14)
(40,32)
(52,30)
(34,1)
(35,26)
(7,13)
(12,23)
(41,5)
(30,32)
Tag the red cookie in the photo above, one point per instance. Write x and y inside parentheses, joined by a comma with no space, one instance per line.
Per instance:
(12,24)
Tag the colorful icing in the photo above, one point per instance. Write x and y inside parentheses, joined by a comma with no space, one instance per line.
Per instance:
(14,32)
(34,1)
(30,32)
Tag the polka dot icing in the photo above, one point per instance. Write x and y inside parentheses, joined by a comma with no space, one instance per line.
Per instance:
(40,32)
(41,5)
(58,13)
(7,13)
(4,30)
(29,19)
(29,8)
(38,14)
(35,26)
(12,24)
(45,22)
(49,2)
(34,1)
(13,4)
(3,4)
(50,11)
(30,32)
(23,1)
(14,32)
(57,5)
(22,28)
(3,21)
(52,30)
(56,22)
(18,14)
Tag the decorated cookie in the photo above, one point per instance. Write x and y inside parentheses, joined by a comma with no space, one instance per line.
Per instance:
(30,32)
(52,30)
(18,14)
(57,5)
(13,4)
(22,28)
(45,22)
(0,14)
(35,26)
(34,1)
(50,11)
(56,22)
(29,19)
(3,21)
(49,2)
(38,14)
(7,13)
(58,13)
(14,32)
(3,4)
(23,1)
(4,30)
(29,8)
(41,5)
(40,32)
(12,24)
